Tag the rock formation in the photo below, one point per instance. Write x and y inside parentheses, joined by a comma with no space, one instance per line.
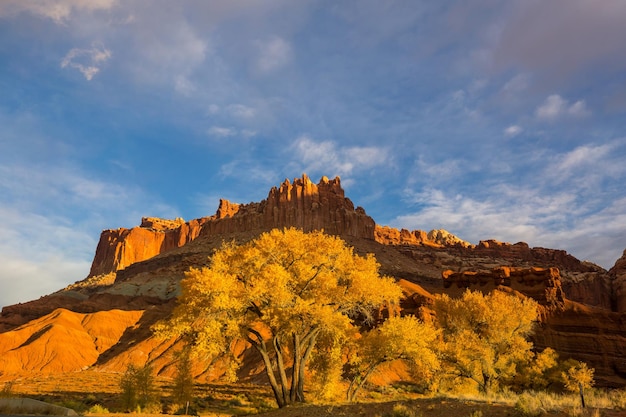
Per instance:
(300,204)
(541,284)
(617,275)
(435,238)
(120,248)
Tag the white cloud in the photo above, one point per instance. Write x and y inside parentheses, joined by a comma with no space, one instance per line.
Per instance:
(578,109)
(247,133)
(586,154)
(241,111)
(328,158)
(564,205)
(57,10)
(222,132)
(227,132)
(513,130)
(168,51)
(516,85)
(184,86)
(87,61)
(273,53)
(556,106)
(553,106)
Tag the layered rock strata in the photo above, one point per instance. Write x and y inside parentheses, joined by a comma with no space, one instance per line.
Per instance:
(617,276)
(300,204)
(541,284)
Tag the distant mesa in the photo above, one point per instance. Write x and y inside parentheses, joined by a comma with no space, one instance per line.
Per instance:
(300,204)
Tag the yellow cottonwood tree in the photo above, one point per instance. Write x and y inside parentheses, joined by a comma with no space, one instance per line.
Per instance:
(398,338)
(486,336)
(279,292)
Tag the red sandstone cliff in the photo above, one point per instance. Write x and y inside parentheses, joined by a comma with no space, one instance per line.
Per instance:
(300,204)
(120,248)
(617,275)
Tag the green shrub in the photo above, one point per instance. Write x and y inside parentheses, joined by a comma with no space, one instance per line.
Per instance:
(401,410)
(98,409)
(7,390)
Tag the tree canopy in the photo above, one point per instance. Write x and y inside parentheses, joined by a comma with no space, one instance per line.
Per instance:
(279,292)
(486,336)
(398,338)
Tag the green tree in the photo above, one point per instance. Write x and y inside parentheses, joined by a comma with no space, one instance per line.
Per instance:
(279,292)
(137,385)
(398,338)
(486,336)
(182,390)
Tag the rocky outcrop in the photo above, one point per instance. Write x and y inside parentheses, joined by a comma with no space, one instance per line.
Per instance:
(617,276)
(435,238)
(301,204)
(521,251)
(122,247)
(541,284)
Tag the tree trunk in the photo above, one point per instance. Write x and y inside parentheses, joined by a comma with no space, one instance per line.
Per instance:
(295,369)
(355,388)
(281,370)
(310,340)
(260,346)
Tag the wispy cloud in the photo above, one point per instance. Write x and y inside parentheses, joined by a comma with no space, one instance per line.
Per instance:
(87,61)
(513,130)
(327,157)
(57,10)
(273,53)
(556,106)
(563,206)
(222,132)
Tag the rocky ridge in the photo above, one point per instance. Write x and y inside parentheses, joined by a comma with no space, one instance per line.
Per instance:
(139,269)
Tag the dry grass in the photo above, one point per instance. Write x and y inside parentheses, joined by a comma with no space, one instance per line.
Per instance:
(95,393)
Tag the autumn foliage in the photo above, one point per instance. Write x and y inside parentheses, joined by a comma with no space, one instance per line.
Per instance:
(310,306)
(281,293)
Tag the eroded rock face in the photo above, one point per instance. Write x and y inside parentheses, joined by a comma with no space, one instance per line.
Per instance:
(541,284)
(590,334)
(435,238)
(122,247)
(617,275)
(300,204)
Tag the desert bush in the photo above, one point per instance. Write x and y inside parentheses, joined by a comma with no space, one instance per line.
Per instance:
(401,410)
(97,409)
(138,390)
(7,390)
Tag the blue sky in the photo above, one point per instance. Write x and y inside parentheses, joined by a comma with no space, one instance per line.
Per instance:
(498,119)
